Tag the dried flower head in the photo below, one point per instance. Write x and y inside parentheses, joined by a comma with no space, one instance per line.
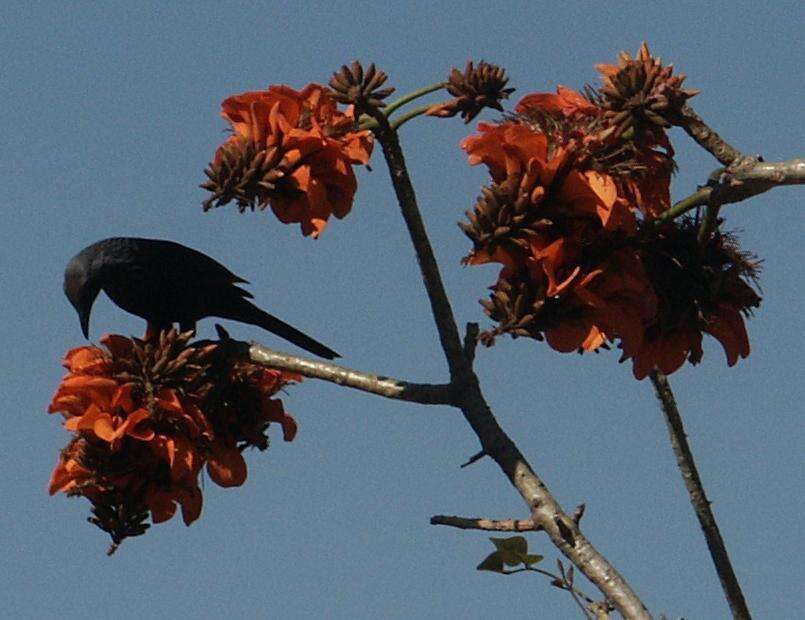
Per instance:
(147,416)
(473,90)
(641,94)
(352,85)
(242,173)
(502,217)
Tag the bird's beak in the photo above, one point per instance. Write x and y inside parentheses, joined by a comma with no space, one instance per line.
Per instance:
(83,316)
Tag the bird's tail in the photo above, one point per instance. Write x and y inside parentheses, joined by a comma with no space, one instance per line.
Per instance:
(249,313)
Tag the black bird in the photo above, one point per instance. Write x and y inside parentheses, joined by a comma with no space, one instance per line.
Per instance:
(165,283)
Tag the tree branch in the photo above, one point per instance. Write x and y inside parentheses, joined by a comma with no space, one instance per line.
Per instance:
(546,511)
(440,304)
(706,137)
(701,505)
(488,525)
(737,184)
(388,387)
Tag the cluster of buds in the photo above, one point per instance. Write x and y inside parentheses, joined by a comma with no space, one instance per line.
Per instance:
(354,86)
(147,416)
(292,150)
(576,184)
(642,95)
(473,90)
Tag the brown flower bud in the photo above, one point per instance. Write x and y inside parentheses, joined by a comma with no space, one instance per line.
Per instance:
(641,93)
(353,85)
(475,89)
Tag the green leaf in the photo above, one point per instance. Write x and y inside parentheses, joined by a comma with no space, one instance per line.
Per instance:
(493,563)
(512,550)
(532,559)
(515,544)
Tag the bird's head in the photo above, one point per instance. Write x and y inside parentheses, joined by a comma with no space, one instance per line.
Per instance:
(81,289)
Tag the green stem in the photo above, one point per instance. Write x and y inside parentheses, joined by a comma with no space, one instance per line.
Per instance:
(416,94)
(401,120)
(367,122)
(708,225)
(697,199)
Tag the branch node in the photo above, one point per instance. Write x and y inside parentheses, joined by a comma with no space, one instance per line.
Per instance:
(565,531)
(578,513)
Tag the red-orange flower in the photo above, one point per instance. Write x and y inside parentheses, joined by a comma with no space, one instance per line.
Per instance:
(562,215)
(566,102)
(291,149)
(147,416)
(553,186)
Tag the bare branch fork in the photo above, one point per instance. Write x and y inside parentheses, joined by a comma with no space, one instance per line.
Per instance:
(742,177)
(463,392)
(737,183)
(545,510)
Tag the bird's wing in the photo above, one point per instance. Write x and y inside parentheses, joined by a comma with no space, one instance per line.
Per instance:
(189,265)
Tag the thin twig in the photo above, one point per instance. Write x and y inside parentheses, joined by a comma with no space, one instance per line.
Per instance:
(424,393)
(701,505)
(567,583)
(593,609)
(545,510)
(440,304)
(474,458)
(578,513)
(487,525)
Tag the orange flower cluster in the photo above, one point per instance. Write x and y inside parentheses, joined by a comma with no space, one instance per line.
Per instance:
(147,416)
(291,149)
(569,216)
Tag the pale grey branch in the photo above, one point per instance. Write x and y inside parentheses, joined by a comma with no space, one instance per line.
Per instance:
(424,393)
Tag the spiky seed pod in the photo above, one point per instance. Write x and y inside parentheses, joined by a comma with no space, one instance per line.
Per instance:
(517,308)
(501,215)
(476,88)
(242,173)
(641,93)
(353,85)
(168,362)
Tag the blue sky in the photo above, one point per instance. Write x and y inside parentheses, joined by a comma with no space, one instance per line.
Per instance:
(110,116)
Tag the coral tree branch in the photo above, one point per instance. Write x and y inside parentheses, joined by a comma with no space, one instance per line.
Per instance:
(545,510)
(701,505)
(423,393)
(708,139)
(730,186)
(488,525)
(744,176)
